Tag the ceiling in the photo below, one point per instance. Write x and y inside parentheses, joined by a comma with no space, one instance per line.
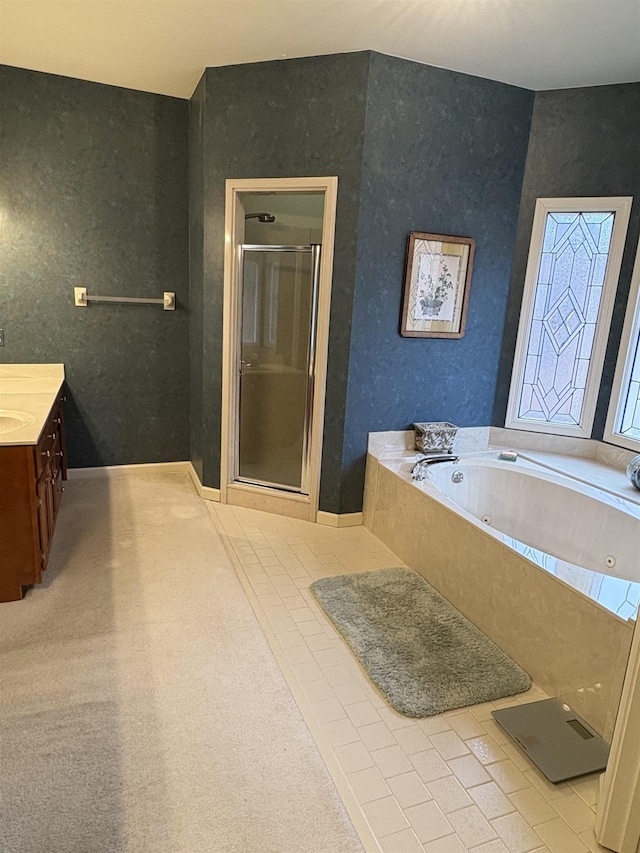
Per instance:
(164,45)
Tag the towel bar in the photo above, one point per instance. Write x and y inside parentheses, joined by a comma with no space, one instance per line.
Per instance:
(82,299)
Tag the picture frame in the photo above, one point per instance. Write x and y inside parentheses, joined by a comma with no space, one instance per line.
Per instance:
(436,286)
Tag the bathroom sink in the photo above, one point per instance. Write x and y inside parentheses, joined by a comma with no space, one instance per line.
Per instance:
(12,421)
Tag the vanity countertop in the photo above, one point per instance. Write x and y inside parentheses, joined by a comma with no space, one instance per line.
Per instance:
(27,393)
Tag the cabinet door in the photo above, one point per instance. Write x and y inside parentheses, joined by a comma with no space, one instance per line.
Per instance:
(20,560)
(57,471)
(59,427)
(46,513)
(56,490)
(51,470)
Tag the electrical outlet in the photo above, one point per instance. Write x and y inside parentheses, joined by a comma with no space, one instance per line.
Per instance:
(1,337)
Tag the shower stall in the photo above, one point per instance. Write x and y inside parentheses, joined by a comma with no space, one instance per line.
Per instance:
(276,365)
(277,297)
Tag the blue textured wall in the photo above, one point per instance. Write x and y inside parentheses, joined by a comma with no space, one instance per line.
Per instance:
(94,192)
(416,149)
(444,153)
(291,118)
(584,142)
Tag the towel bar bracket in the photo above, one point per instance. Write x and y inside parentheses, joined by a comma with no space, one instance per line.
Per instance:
(82,299)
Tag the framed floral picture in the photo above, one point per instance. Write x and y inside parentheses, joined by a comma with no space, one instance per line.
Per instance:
(436,287)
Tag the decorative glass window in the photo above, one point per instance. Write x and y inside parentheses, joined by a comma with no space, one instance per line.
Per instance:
(623,423)
(570,284)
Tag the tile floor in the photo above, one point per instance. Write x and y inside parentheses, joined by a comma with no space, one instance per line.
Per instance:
(445,784)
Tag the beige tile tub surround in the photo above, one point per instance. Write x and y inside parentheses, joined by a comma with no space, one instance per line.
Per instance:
(470,439)
(569,645)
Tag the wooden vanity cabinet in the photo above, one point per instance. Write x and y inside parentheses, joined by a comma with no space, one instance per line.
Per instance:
(31,478)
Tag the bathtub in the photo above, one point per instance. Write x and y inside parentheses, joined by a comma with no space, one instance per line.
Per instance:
(587,537)
(545,565)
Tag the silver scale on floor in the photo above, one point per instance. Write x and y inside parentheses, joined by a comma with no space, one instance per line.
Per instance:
(558,742)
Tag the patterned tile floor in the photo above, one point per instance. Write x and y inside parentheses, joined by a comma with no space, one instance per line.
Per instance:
(446,784)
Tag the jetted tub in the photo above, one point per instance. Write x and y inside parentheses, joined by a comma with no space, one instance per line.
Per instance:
(587,537)
(522,551)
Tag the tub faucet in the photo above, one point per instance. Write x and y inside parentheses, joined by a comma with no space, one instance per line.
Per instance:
(419,470)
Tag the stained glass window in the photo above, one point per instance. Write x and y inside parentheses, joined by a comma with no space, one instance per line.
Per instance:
(569,289)
(623,426)
(563,317)
(630,425)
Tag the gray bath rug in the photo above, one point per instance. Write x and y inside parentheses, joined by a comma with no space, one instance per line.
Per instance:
(424,656)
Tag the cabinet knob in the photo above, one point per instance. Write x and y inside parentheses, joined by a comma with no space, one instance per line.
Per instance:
(59,453)
(46,453)
(51,435)
(62,488)
(63,398)
(58,420)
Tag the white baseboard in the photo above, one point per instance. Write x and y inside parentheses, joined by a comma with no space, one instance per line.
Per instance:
(114,470)
(207,493)
(345,519)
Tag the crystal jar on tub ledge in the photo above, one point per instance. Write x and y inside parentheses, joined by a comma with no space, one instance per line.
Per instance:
(633,471)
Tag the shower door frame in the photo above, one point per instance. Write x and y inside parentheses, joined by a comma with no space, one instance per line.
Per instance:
(315,253)
(272,498)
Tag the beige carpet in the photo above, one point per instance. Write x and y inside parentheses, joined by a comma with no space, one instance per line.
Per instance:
(141,710)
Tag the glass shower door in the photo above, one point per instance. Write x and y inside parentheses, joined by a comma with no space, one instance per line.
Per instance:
(276,365)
